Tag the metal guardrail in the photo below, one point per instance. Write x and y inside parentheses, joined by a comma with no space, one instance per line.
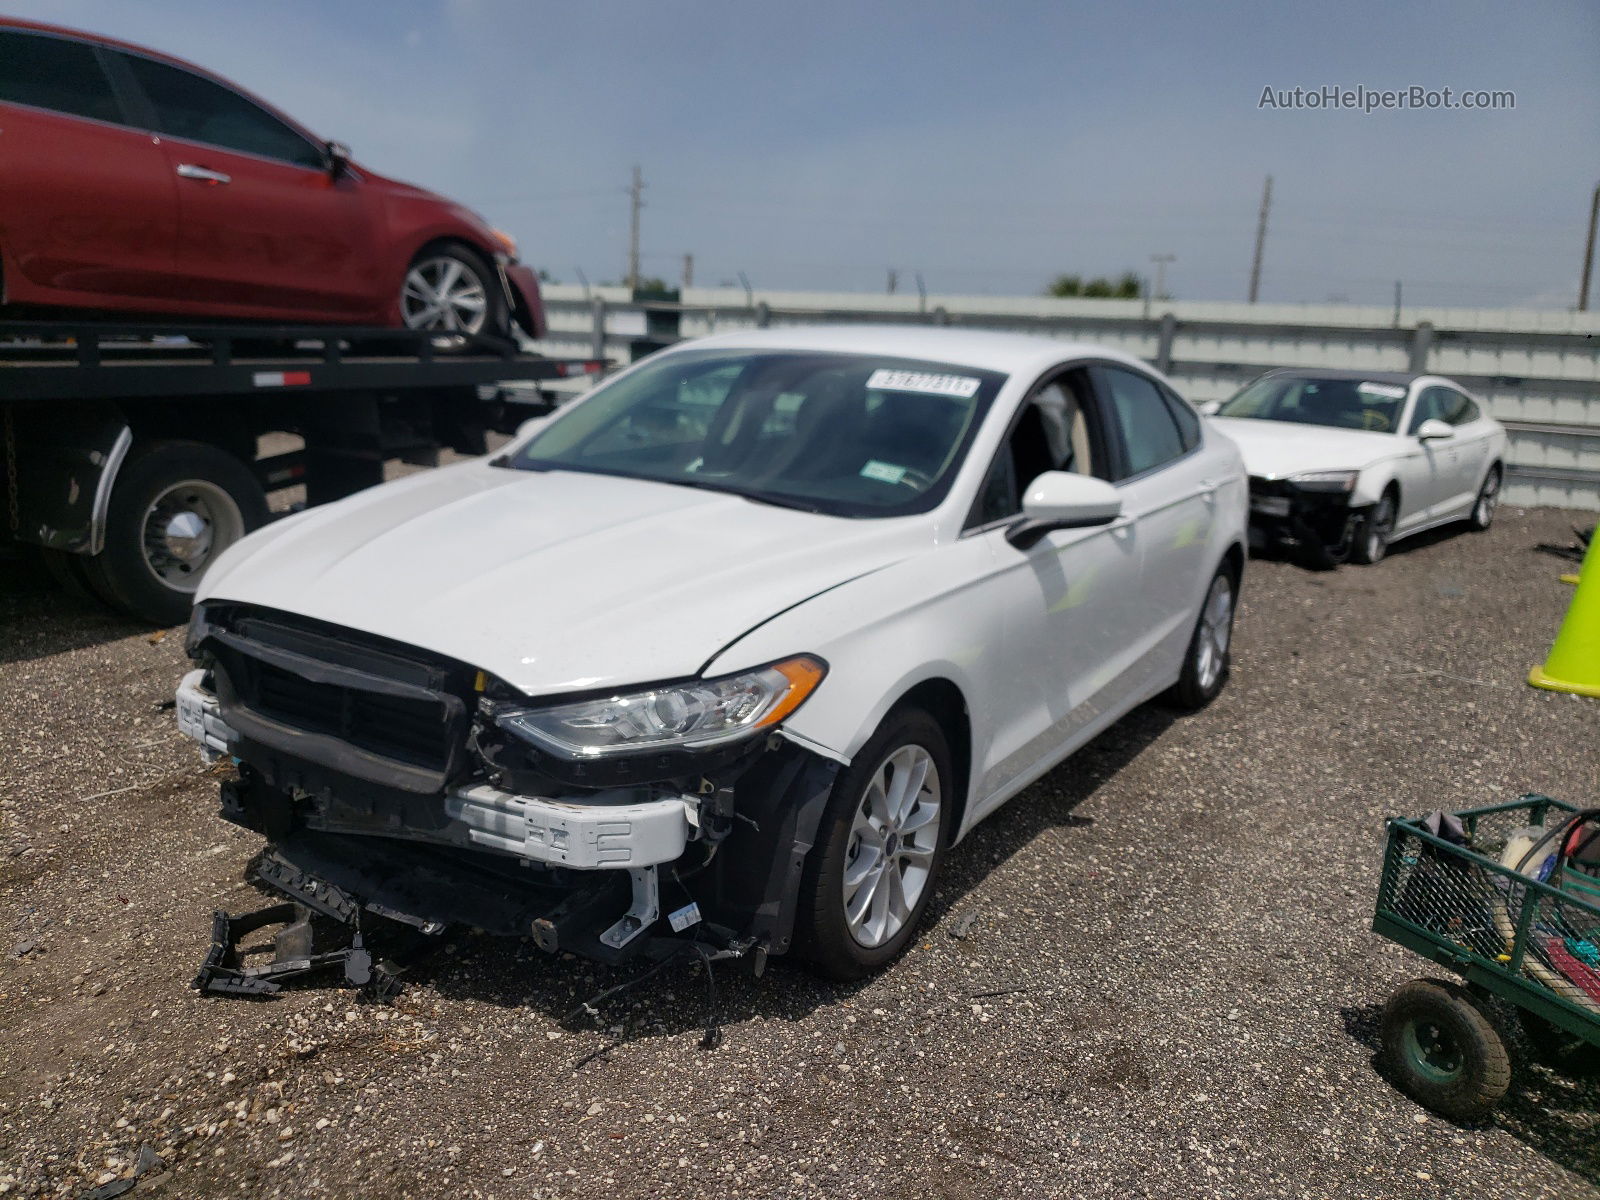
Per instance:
(1517,361)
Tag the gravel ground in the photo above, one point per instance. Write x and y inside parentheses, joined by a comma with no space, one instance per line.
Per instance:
(1150,974)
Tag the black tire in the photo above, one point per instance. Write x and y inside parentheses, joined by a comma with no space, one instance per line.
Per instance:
(823,935)
(1377,529)
(70,573)
(496,311)
(1199,685)
(124,572)
(1488,500)
(1561,1051)
(1441,1049)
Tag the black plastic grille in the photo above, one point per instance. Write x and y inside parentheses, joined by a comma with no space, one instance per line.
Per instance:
(392,702)
(411,731)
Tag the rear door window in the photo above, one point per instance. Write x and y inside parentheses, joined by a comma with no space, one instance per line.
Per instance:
(1150,434)
(1459,409)
(1188,420)
(202,110)
(1431,406)
(56,73)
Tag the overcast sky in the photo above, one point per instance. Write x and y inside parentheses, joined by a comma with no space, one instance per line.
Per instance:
(988,145)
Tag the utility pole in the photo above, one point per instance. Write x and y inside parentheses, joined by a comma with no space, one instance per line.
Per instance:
(1161,261)
(1397,304)
(1588,251)
(636,196)
(688,271)
(893,281)
(1261,240)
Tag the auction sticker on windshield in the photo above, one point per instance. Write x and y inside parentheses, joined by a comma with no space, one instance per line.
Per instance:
(883,472)
(1386,390)
(886,380)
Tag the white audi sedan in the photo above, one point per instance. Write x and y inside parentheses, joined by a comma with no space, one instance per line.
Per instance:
(729,652)
(1344,462)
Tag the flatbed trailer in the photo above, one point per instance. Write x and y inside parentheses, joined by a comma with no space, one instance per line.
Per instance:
(130,453)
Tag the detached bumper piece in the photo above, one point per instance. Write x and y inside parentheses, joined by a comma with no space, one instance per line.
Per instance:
(224,969)
(1321,524)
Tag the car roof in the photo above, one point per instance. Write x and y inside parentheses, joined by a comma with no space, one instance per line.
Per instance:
(84,35)
(1399,378)
(101,39)
(1010,353)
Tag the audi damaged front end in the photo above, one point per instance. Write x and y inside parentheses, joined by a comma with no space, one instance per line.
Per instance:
(1314,512)
(422,788)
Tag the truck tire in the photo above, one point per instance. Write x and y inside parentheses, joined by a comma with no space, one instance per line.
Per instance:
(175,507)
(69,573)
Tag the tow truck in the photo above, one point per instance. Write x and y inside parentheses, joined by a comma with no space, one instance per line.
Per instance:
(130,454)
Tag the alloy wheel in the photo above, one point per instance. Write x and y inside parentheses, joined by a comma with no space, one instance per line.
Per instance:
(1216,631)
(444,293)
(893,839)
(1488,500)
(1379,530)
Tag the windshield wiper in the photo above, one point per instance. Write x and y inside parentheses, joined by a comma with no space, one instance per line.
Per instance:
(777,501)
(780,501)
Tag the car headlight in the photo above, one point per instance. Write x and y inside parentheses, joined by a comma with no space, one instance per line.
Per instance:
(507,243)
(1326,481)
(702,712)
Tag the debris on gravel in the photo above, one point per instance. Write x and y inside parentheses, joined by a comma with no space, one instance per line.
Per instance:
(1149,974)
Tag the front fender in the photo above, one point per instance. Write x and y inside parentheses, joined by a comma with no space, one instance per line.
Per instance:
(879,647)
(1372,483)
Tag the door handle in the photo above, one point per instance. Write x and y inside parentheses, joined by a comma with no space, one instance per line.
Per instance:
(204,174)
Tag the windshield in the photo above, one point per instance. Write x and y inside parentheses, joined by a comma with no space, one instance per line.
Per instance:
(852,435)
(1307,400)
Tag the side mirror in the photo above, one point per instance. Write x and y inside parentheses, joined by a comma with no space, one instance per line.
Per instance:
(1210,408)
(1434,430)
(338,158)
(1063,500)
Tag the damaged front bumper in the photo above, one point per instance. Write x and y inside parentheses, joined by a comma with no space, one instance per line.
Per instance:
(1321,524)
(605,873)
(609,829)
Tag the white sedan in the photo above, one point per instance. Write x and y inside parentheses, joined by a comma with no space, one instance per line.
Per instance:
(1342,463)
(731,650)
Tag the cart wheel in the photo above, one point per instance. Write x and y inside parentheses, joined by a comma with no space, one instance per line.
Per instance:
(1561,1051)
(1443,1051)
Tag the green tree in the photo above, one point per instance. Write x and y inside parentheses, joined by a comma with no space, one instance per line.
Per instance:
(1126,286)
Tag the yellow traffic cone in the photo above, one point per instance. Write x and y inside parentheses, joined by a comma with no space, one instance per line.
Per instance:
(1574,662)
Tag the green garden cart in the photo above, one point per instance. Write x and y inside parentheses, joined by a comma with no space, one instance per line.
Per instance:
(1508,899)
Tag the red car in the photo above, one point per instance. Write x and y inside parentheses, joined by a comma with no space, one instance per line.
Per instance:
(131,181)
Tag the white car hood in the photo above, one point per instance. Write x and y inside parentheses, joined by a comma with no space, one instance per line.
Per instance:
(1275,449)
(555,581)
